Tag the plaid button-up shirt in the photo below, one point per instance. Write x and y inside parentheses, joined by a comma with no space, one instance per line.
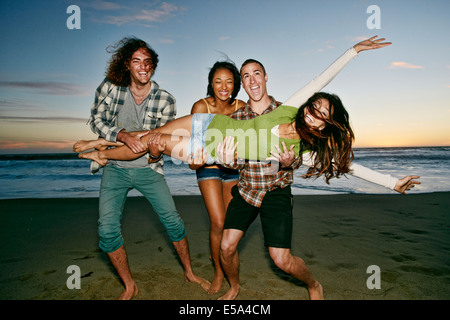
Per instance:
(109,98)
(257,178)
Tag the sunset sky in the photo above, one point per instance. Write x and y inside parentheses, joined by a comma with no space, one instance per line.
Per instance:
(396,96)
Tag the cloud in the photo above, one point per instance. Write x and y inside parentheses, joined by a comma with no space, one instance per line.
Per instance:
(20,145)
(101,5)
(358,38)
(166,41)
(224,38)
(325,45)
(141,16)
(404,65)
(48,88)
(18,105)
(165,11)
(19,119)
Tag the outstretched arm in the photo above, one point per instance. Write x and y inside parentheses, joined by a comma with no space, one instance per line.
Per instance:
(318,83)
(385,180)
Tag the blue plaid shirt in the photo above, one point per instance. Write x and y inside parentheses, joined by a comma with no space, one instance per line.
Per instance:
(109,98)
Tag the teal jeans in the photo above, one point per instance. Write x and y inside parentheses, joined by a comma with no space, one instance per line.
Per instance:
(115,185)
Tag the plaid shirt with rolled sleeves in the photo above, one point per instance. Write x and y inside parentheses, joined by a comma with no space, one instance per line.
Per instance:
(109,98)
(256,178)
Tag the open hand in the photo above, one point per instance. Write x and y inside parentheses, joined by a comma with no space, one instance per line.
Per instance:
(285,157)
(370,44)
(226,151)
(406,183)
(199,160)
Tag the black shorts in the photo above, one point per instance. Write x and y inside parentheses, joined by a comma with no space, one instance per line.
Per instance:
(275,214)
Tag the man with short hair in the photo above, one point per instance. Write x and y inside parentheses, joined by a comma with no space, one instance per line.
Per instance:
(264,188)
(265,191)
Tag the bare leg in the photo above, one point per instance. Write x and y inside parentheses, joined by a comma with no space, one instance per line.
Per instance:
(212,195)
(120,262)
(176,147)
(297,268)
(230,261)
(177,127)
(102,144)
(182,249)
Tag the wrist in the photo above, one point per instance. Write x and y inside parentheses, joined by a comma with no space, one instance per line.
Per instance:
(155,158)
(121,135)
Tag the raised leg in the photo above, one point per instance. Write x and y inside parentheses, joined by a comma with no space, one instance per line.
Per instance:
(176,147)
(297,268)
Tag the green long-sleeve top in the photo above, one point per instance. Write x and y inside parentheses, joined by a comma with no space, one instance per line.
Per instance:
(256,137)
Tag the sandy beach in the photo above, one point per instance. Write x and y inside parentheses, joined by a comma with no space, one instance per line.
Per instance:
(339,237)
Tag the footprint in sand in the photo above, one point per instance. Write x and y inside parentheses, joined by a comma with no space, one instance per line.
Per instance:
(330,235)
(403,258)
(342,265)
(85,257)
(391,235)
(415,231)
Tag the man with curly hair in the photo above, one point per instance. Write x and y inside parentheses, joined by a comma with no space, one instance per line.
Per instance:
(128,101)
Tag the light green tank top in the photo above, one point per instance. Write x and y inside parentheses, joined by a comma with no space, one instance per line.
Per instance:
(255,136)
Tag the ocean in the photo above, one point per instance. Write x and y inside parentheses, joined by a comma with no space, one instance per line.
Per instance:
(63,175)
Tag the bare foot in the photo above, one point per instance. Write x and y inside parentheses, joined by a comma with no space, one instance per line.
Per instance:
(316,292)
(203,282)
(93,155)
(216,284)
(231,294)
(129,293)
(84,145)
(99,144)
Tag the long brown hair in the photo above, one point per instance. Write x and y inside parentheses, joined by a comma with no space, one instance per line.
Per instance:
(332,146)
(118,72)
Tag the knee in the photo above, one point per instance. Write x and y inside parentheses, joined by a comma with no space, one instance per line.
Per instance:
(227,248)
(216,227)
(110,235)
(174,226)
(282,260)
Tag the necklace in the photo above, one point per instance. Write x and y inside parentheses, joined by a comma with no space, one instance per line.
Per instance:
(139,98)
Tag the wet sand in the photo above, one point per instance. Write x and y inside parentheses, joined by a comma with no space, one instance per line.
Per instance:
(339,237)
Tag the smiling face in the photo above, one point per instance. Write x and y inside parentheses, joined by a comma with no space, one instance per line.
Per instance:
(223,84)
(321,113)
(140,67)
(254,81)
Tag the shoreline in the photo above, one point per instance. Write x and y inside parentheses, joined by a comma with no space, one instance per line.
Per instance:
(338,236)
